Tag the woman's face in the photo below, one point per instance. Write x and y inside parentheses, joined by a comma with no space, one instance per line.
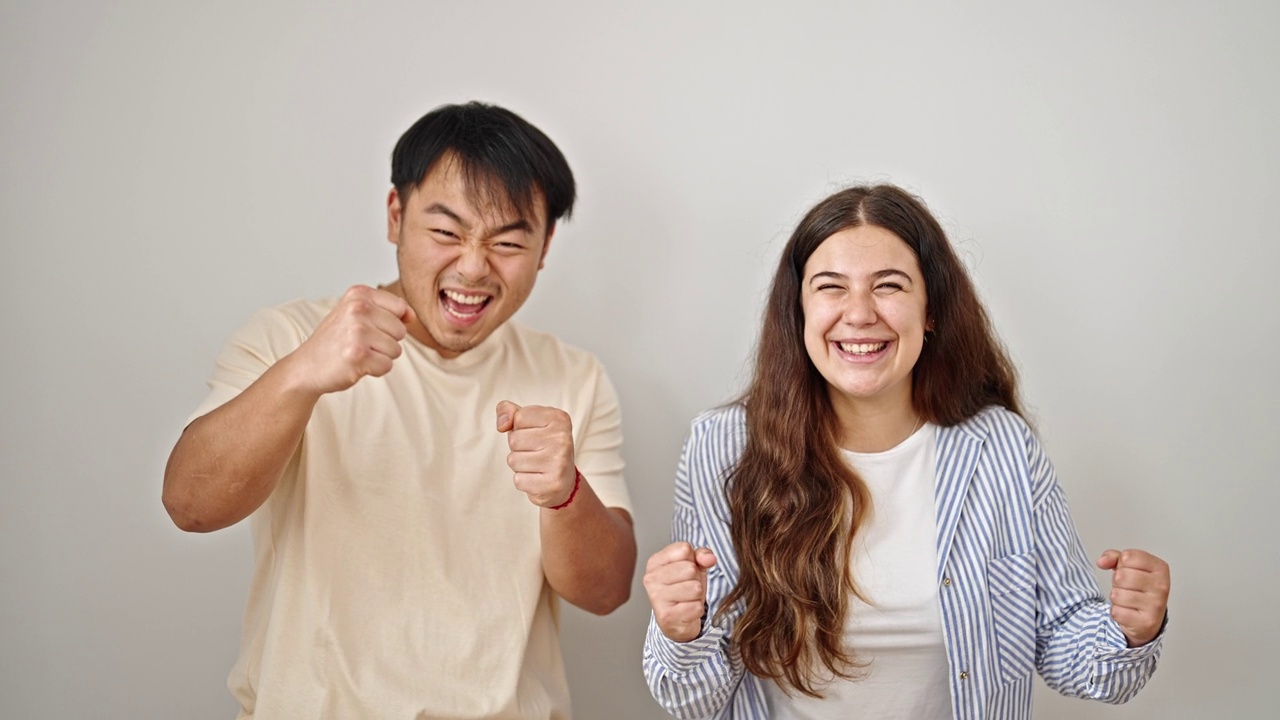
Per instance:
(864,317)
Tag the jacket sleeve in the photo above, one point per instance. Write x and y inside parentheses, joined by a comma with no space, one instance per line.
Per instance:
(697,679)
(1080,650)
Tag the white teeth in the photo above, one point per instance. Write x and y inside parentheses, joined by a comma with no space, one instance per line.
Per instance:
(458,297)
(862,348)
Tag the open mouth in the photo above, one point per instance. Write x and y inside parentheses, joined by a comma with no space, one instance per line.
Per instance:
(861,349)
(464,306)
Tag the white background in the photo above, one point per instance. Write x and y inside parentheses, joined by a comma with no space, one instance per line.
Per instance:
(1109,171)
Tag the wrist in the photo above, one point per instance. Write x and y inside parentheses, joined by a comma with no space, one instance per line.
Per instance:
(577,482)
(294,381)
(1147,639)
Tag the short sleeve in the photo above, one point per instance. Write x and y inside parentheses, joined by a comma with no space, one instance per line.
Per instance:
(268,336)
(598,453)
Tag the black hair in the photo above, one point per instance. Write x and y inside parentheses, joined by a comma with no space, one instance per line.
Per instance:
(504,160)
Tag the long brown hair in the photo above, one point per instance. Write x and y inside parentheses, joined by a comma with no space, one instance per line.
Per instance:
(795,505)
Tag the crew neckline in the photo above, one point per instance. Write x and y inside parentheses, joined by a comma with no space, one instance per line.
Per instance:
(908,443)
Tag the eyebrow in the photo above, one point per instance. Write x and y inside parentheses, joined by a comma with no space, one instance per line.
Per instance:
(880,274)
(877,275)
(442,209)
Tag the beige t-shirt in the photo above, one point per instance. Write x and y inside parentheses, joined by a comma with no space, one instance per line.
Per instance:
(398,571)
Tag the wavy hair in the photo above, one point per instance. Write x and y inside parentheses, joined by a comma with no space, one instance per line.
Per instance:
(795,505)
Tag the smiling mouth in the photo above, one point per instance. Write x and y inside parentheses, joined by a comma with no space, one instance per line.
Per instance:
(463,306)
(862,348)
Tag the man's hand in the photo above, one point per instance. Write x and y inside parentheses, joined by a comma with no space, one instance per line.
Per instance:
(541,442)
(1139,593)
(360,336)
(676,581)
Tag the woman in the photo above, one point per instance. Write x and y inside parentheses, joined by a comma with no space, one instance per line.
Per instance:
(874,530)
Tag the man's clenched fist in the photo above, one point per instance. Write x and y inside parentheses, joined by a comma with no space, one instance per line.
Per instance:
(360,336)
(541,443)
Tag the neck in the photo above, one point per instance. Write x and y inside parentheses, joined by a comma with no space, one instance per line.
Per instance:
(869,428)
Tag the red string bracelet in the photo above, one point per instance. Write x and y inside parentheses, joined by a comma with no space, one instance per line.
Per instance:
(577,480)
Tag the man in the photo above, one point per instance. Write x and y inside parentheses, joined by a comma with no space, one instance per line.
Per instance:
(423,477)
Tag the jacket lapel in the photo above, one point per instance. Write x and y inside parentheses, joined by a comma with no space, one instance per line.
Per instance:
(958,450)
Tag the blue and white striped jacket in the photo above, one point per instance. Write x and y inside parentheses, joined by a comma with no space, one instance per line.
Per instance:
(1016,589)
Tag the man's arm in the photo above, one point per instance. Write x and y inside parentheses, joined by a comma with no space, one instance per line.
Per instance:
(588,550)
(229,460)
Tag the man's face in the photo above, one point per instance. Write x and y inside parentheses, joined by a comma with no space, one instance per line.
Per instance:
(465,266)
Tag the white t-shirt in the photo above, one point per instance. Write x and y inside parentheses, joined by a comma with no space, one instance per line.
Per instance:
(398,572)
(894,566)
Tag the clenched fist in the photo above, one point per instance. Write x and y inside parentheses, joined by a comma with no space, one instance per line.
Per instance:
(541,443)
(360,336)
(676,581)
(1139,593)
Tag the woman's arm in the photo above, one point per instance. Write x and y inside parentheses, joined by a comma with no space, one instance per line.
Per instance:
(697,678)
(1080,649)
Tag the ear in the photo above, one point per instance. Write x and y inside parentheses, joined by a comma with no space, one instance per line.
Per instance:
(546,245)
(395,216)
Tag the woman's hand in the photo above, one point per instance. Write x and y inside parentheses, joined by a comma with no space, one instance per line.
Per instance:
(676,581)
(1139,593)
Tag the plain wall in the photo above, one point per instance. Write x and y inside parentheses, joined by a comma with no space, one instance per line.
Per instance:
(1108,169)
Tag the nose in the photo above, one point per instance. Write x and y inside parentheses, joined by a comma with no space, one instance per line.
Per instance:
(860,309)
(473,262)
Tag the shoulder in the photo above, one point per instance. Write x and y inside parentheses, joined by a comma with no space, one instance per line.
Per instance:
(1006,441)
(997,422)
(716,440)
(719,433)
(304,314)
(993,432)
(725,420)
(275,331)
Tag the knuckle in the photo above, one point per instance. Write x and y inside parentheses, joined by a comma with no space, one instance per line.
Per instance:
(353,354)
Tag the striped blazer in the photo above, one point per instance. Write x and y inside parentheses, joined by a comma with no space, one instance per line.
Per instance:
(1015,586)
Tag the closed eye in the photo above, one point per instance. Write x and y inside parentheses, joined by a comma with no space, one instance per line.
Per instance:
(888,287)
